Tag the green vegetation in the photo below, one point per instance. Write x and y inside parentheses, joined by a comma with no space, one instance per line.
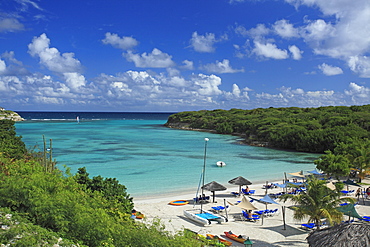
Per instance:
(42,207)
(303,129)
(318,202)
(11,146)
(341,133)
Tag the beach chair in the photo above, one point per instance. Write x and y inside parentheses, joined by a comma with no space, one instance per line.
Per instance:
(366,219)
(272,212)
(245,216)
(235,193)
(219,209)
(251,192)
(308,226)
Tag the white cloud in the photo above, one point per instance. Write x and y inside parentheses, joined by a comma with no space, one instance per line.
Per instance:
(51,57)
(188,65)
(236,90)
(330,70)
(10,25)
(64,64)
(207,85)
(203,43)
(124,43)
(360,65)
(74,80)
(316,32)
(285,30)
(359,94)
(269,50)
(345,37)
(2,67)
(296,52)
(259,32)
(25,3)
(155,59)
(221,67)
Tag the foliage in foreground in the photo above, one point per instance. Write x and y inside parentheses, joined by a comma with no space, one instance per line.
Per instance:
(50,208)
(61,205)
(318,202)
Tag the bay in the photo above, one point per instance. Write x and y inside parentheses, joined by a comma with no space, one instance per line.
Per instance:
(148,158)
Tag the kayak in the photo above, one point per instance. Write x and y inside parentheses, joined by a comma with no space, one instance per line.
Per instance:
(224,241)
(138,215)
(234,237)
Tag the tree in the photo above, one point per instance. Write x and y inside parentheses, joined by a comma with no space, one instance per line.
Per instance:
(358,152)
(317,202)
(333,165)
(11,145)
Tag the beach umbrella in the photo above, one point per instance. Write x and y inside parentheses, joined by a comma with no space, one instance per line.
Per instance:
(213,186)
(342,235)
(240,181)
(350,182)
(297,174)
(245,204)
(268,200)
(330,185)
(349,210)
(315,172)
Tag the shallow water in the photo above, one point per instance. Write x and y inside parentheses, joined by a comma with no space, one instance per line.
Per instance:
(150,159)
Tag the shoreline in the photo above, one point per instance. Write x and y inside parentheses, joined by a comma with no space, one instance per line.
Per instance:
(268,232)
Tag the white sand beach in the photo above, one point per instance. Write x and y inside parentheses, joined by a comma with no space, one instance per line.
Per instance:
(269,232)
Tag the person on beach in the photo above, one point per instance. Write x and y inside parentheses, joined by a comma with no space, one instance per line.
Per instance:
(358,193)
(247,190)
(250,214)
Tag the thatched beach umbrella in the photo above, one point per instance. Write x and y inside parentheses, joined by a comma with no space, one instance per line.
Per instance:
(214,186)
(343,235)
(240,181)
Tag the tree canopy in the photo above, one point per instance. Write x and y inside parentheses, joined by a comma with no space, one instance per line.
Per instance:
(302,129)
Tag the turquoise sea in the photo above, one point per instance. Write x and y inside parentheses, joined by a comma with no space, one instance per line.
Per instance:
(150,159)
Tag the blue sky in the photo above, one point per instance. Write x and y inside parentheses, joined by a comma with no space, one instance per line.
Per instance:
(169,56)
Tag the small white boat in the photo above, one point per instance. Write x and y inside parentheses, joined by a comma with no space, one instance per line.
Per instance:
(204,217)
(221,163)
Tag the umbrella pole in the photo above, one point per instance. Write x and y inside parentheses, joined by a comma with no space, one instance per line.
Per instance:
(266,187)
(283,209)
(227,217)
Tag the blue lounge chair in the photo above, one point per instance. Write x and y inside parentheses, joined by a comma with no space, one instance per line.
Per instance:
(366,219)
(251,192)
(245,215)
(219,208)
(308,225)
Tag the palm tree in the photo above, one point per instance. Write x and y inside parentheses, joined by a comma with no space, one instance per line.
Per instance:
(362,162)
(317,202)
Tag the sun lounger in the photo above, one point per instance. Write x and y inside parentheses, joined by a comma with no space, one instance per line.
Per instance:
(219,208)
(366,219)
(251,192)
(245,216)
(308,225)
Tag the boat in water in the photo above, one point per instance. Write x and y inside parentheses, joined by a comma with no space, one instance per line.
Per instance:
(202,216)
(220,164)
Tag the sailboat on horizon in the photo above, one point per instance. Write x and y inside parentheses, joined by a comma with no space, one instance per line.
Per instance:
(202,216)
